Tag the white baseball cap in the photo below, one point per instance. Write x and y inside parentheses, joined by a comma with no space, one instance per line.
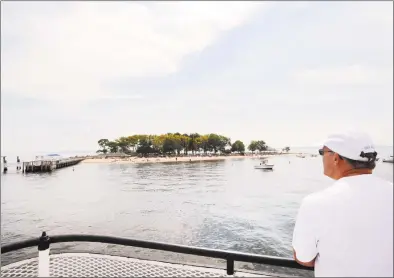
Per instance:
(350,144)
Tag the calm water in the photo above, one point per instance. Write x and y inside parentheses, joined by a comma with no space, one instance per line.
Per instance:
(226,205)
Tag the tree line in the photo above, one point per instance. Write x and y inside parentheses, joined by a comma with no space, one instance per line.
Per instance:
(176,143)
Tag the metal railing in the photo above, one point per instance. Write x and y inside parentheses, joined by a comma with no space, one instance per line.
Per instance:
(43,244)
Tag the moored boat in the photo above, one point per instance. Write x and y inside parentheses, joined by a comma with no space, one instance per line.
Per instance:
(264,165)
(389,160)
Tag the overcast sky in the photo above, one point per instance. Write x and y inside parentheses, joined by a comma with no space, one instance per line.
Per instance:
(285,72)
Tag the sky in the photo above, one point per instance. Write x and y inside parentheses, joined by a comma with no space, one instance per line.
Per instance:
(288,73)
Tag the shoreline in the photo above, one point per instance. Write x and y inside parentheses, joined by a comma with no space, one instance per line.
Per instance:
(144,160)
(138,160)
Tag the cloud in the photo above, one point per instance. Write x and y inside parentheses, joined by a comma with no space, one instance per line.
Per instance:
(285,72)
(349,75)
(71,49)
(120,97)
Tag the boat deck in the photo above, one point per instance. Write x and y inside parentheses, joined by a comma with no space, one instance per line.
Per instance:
(94,265)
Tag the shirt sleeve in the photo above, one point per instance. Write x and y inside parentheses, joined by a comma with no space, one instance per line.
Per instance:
(305,236)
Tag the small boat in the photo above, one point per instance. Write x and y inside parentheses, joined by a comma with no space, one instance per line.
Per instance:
(300,155)
(264,165)
(389,160)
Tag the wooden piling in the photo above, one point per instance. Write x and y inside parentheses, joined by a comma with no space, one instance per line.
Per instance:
(18,163)
(5,167)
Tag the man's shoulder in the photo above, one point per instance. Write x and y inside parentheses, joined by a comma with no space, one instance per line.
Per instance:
(367,181)
(340,187)
(320,197)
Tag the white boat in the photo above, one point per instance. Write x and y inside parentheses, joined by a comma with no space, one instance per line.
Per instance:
(300,155)
(389,160)
(264,165)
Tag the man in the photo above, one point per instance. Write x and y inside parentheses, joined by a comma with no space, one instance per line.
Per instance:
(347,229)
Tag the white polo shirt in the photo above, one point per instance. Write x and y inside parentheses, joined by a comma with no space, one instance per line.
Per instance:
(348,227)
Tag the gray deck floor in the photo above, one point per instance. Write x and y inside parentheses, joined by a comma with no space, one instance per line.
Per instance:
(88,265)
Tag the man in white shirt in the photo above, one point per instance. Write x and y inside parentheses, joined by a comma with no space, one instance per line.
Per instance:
(347,229)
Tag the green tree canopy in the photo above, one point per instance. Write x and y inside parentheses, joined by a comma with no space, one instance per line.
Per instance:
(175,143)
(238,146)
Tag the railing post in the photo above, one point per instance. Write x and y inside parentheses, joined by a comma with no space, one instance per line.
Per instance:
(43,255)
(230,266)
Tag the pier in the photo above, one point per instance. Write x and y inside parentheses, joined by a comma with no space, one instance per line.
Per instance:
(42,166)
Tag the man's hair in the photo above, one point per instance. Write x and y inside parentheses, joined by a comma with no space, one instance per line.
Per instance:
(356,164)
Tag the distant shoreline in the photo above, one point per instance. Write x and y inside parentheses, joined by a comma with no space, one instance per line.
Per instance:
(143,160)
(147,160)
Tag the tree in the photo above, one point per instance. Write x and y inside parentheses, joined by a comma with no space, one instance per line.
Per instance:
(252,146)
(184,142)
(213,142)
(113,146)
(193,142)
(203,143)
(144,145)
(238,146)
(286,149)
(261,146)
(158,143)
(171,145)
(103,143)
(124,144)
(133,141)
(224,142)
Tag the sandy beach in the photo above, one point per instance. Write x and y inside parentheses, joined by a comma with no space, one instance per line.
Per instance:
(137,160)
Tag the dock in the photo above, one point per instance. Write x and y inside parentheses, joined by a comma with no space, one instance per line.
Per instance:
(42,166)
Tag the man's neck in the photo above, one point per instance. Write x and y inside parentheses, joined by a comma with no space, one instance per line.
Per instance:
(355,172)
